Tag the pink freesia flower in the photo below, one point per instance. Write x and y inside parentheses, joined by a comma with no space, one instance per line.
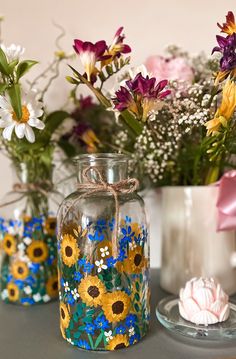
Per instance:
(171,69)
(90,54)
(117,48)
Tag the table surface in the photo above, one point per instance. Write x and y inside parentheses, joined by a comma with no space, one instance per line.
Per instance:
(33,333)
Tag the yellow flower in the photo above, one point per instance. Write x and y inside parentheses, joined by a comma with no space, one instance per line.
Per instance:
(64,315)
(69,250)
(229,27)
(13,292)
(119,341)
(116,306)
(226,109)
(62,331)
(135,262)
(91,290)
(37,251)
(9,244)
(50,225)
(19,270)
(52,286)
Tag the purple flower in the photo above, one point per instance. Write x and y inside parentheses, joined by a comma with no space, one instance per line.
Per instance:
(227,46)
(89,54)
(141,96)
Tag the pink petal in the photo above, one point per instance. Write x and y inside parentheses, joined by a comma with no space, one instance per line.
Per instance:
(224,315)
(190,307)
(204,297)
(204,317)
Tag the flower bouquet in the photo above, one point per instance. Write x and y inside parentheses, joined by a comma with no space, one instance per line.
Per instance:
(27,222)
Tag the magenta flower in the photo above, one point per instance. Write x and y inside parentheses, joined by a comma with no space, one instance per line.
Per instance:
(142,96)
(90,54)
(117,48)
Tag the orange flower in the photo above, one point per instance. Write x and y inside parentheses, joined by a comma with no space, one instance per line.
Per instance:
(228,27)
(226,109)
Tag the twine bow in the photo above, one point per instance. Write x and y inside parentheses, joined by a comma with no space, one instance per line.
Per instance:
(129,185)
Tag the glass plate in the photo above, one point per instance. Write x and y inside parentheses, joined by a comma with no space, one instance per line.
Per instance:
(167,312)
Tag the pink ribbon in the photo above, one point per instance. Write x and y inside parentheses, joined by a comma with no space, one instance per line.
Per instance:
(226,202)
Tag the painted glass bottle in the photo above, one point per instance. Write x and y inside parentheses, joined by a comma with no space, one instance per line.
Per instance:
(28,237)
(103,257)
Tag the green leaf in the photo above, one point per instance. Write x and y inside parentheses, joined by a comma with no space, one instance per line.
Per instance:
(52,122)
(109,285)
(136,307)
(15,98)
(101,98)
(98,340)
(24,67)
(118,281)
(137,297)
(4,68)
(12,65)
(67,147)
(137,286)
(77,335)
(72,80)
(132,122)
(2,87)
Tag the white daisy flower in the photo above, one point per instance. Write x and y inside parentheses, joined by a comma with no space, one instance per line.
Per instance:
(104,251)
(66,285)
(4,294)
(100,264)
(28,290)
(21,247)
(131,331)
(27,240)
(132,245)
(37,297)
(108,335)
(70,341)
(13,52)
(31,111)
(75,294)
(46,298)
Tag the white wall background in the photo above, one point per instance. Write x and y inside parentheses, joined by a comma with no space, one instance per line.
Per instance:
(150,25)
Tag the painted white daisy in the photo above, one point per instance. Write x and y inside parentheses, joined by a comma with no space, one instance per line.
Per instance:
(104,251)
(108,335)
(37,297)
(31,111)
(66,286)
(131,331)
(13,52)
(70,341)
(100,264)
(28,290)
(46,298)
(75,294)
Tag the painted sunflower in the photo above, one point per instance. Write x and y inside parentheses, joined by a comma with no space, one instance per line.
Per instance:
(135,263)
(116,306)
(62,331)
(91,290)
(9,244)
(19,270)
(69,250)
(37,251)
(50,225)
(119,341)
(52,286)
(64,316)
(13,292)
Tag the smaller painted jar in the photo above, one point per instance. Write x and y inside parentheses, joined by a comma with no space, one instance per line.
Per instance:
(103,258)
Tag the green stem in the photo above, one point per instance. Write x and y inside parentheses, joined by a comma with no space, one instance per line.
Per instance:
(91,341)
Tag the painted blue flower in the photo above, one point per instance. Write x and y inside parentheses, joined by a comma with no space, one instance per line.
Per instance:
(128,291)
(96,237)
(70,299)
(120,329)
(19,283)
(78,276)
(101,322)
(82,262)
(27,301)
(112,224)
(30,280)
(88,267)
(121,255)
(101,225)
(62,282)
(128,219)
(83,344)
(134,339)
(127,232)
(50,260)
(90,328)
(130,320)
(34,267)
(111,262)
(9,278)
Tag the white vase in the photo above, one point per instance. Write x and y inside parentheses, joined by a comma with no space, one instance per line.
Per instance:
(191,246)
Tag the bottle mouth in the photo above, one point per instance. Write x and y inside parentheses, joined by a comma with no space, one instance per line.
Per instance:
(100,157)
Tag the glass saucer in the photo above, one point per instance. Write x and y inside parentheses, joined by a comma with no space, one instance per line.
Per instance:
(167,313)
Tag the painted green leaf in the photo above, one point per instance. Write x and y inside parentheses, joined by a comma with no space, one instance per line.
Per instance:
(15,98)
(4,67)
(109,285)
(118,281)
(98,340)
(24,67)
(77,335)
(137,286)
(136,307)
(137,297)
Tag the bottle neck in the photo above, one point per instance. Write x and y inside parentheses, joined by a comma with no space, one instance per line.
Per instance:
(112,168)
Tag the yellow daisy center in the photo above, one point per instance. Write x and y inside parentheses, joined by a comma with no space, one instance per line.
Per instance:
(25,115)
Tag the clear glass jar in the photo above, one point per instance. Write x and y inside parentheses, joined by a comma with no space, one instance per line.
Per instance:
(28,237)
(104,284)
